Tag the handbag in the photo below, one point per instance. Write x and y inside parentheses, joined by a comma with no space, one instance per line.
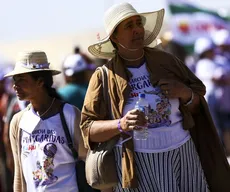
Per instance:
(100,161)
(83,186)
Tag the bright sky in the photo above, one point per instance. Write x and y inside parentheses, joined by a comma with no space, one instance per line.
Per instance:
(25,20)
(32,19)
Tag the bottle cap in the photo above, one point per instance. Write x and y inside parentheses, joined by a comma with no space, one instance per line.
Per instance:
(141,95)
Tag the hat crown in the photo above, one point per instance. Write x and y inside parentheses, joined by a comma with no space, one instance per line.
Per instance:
(38,57)
(116,14)
(31,61)
(152,23)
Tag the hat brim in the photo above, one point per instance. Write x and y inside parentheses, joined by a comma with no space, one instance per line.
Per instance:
(153,23)
(23,71)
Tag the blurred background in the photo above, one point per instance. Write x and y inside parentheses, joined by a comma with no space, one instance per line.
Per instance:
(57,26)
(197,32)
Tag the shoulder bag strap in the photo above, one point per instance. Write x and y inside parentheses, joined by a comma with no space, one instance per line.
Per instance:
(67,134)
(104,72)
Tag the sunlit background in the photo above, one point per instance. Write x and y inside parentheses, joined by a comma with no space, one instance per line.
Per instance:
(57,26)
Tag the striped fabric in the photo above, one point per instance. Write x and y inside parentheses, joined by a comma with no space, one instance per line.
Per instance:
(178,170)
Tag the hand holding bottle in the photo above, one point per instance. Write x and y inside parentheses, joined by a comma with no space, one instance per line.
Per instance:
(141,132)
(132,119)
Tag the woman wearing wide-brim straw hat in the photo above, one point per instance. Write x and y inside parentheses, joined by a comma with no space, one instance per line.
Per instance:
(167,160)
(43,161)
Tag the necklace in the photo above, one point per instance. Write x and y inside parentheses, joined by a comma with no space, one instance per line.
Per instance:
(133,59)
(46,109)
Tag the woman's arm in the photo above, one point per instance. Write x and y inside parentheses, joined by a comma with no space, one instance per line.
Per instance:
(190,99)
(6,141)
(104,130)
(14,144)
(94,124)
(78,140)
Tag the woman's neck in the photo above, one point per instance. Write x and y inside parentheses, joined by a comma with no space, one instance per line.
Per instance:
(134,58)
(43,105)
(134,63)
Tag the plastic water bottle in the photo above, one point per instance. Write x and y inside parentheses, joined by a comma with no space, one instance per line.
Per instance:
(141,132)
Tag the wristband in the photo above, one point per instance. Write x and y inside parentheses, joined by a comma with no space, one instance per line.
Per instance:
(191,100)
(119,126)
(121,130)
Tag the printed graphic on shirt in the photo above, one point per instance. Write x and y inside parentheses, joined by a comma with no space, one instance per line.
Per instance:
(39,136)
(159,110)
(44,174)
(159,115)
(42,142)
(138,84)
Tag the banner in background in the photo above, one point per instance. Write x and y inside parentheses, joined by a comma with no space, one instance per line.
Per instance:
(189,22)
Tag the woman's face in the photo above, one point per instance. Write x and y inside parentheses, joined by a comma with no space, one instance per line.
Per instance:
(25,86)
(130,33)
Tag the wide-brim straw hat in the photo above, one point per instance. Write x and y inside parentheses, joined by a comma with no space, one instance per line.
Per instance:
(152,22)
(31,61)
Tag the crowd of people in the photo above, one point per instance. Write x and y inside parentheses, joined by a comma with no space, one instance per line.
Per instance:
(188,115)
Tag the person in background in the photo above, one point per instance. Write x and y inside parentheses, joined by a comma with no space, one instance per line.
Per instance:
(13,107)
(214,71)
(182,151)
(87,59)
(6,96)
(75,71)
(204,49)
(171,46)
(42,159)
(221,39)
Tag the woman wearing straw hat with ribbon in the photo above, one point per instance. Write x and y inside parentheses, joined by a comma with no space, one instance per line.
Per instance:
(43,160)
(179,123)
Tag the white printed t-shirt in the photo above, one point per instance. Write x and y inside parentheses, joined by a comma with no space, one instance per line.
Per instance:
(164,120)
(47,162)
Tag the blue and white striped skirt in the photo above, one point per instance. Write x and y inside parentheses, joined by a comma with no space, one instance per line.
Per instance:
(178,170)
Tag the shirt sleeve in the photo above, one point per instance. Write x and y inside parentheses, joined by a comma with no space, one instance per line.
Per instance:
(93,107)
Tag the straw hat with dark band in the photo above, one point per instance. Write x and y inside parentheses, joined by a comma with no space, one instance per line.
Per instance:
(33,61)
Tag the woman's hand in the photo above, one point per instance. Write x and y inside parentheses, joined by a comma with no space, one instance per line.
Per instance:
(132,119)
(175,89)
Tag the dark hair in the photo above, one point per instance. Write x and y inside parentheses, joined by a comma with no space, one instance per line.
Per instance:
(113,43)
(204,54)
(76,50)
(47,78)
